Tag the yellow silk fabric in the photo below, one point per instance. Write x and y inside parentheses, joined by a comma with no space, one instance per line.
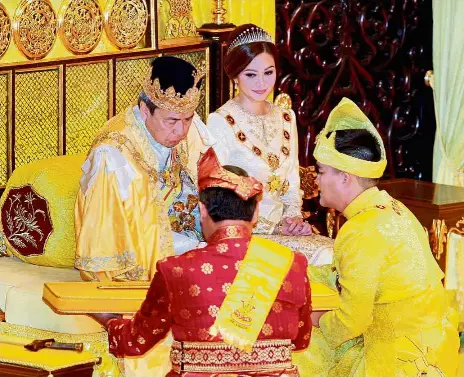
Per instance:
(252,293)
(127,236)
(258,12)
(393,318)
(347,116)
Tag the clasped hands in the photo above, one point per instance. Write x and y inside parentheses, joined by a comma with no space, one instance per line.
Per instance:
(295,226)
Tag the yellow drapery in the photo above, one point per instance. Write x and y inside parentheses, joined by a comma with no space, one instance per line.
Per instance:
(448,59)
(259,12)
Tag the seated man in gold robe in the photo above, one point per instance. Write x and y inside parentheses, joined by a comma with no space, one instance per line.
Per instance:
(393,319)
(138,197)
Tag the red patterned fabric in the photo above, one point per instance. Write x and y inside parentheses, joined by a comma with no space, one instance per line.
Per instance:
(26,221)
(212,174)
(188,290)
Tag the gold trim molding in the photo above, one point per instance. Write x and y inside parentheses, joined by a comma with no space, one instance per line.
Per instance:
(34,28)
(80,25)
(126,22)
(5,30)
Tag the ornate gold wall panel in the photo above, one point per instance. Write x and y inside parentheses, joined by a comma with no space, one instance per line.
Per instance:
(198,58)
(37,115)
(34,28)
(129,76)
(80,25)
(5,30)
(87,104)
(3,129)
(176,25)
(55,30)
(126,22)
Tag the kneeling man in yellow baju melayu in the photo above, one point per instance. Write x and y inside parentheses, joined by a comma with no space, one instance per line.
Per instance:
(393,319)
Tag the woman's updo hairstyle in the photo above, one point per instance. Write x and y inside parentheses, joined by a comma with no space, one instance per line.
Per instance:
(240,56)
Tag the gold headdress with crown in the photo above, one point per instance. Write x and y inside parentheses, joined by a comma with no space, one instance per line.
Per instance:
(170,100)
(250,35)
(347,116)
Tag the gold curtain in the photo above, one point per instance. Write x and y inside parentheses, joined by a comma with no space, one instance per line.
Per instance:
(448,60)
(259,12)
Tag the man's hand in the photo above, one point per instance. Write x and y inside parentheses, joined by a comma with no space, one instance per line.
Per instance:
(104,318)
(316,316)
(295,226)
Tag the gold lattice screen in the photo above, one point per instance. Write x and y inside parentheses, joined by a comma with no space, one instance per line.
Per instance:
(58,110)
(87,103)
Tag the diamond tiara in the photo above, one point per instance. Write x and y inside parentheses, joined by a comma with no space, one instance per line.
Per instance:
(250,35)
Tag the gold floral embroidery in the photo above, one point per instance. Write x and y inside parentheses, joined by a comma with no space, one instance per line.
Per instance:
(267,329)
(213,310)
(185,314)
(287,286)
(292,328)
(209,289)
(203,334)
(232,231)
(140,340)
(300,324)
(277,307)
(207,268)
(194,290)
(157,331)
(177,272)
(238,264)
(226,287)
(222,248)
(306,337)
(225,267)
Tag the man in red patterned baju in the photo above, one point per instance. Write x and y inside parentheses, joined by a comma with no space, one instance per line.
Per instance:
(188,292)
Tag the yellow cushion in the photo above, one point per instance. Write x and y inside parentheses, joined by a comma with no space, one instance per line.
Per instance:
(37,211)
(46,359)
(127,297)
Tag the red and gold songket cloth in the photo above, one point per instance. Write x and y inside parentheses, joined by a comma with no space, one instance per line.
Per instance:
(186,295)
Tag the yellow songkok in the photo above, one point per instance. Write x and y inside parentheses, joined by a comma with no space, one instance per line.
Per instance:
(347,116)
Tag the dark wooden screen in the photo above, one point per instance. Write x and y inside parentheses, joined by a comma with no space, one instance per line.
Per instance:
(375,52)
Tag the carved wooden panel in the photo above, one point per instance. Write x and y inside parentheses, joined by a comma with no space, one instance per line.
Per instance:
(375,52)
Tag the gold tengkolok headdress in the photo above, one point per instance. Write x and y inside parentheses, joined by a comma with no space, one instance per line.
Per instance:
(170,100)
(250,35)
(347,116)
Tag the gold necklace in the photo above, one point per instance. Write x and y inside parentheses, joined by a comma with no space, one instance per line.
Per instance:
(275,182)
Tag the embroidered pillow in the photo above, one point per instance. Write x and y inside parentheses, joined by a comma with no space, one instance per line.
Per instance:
(37,211)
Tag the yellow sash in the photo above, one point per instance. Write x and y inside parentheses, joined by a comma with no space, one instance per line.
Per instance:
(253,292)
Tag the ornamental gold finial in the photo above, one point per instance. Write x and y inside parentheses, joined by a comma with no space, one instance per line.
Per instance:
(219,13)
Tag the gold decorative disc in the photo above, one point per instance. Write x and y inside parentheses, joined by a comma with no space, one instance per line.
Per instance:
(34,28)
(81,25)
(5,30)
(126,22)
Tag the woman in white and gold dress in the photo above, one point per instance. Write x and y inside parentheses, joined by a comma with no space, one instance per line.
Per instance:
(262,138)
